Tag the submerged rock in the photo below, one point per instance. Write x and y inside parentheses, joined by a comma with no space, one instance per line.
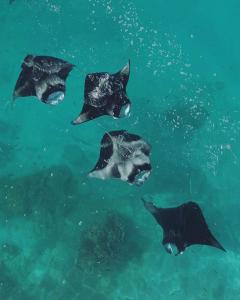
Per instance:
(110,245)
(52,191)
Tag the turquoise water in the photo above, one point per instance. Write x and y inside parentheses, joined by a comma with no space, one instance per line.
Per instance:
(184,88)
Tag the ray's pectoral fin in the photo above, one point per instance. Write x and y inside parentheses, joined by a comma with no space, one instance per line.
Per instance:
(83,117)
(88,113)
(103,168)
(214,243)
(149,206)
(25,90)
(64,72)
(197,231)
(24,86)
(124,73)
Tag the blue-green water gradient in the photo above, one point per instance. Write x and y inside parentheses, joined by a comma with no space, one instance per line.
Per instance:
(184,88)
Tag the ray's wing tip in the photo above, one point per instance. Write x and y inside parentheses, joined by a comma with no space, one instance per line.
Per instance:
(72,66)
(125,71)
(148,205)
(82,118)
(14,96)
(215,243)
(74,122)
(221,248)
(77,121)
(95,174)
(90,175)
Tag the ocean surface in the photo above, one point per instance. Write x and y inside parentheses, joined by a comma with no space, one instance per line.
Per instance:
(55,222)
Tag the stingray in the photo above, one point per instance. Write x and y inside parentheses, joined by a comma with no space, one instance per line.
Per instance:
(105,94)
(182,226)
(43,77)
(125,156)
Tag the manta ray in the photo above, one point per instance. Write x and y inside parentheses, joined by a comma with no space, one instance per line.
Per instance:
(105,94)
(43,77)
(125,156)
(183,226)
